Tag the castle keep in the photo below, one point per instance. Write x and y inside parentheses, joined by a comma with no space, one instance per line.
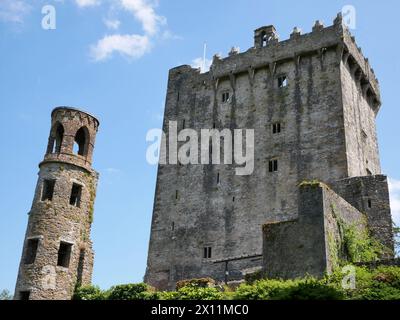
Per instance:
(312,101)
(57,252)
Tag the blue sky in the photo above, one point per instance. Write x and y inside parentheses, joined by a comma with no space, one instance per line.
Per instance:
(111,57)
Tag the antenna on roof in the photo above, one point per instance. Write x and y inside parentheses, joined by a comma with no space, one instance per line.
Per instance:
(204,57)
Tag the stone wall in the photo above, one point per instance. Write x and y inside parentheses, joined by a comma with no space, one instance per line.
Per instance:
(370,195)
(308,245)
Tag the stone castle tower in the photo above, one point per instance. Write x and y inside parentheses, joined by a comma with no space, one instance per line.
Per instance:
(57,252)
(312,101)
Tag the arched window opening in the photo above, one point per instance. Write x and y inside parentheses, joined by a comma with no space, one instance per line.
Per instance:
(81,142)
(264,39)
(56,138)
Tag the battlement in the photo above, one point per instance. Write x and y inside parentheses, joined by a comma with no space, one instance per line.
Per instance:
(268,52)
(72,128)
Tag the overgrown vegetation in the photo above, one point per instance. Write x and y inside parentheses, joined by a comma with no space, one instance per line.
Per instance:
(310,183)
(382,283)
(355,243)
(360,246)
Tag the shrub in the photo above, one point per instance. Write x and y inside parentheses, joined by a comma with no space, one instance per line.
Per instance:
(5,295)
(303,289)
(198,283)
(382,283)
(194,293)
(140,291)
(89,293)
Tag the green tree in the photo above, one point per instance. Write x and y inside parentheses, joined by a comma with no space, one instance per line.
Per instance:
(5,295)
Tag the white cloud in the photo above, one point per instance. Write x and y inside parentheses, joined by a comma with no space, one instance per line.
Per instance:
(199,63)
(394,190)
(87,3)
(144,12)
(112,24)
(131,46)
(13,10)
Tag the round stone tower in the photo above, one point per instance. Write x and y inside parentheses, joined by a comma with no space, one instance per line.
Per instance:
(57,253)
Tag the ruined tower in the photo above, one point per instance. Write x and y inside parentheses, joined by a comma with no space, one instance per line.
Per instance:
(312,101)
(57,251)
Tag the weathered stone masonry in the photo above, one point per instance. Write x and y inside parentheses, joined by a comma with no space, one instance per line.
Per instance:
(325,97)
(57,252)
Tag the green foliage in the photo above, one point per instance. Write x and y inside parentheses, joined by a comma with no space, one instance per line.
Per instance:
(89,293)
(200,282)
(140,291)
(310,183)
(193,292)
(5,295)
(301,289)
(381,283)
(360,246)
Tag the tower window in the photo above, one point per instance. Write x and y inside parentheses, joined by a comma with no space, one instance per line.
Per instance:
(276,128)
(273,165)
(183,123)
(56,139)
(282,82)
(207,252)
(369,203)
(64,254)
(218,178)
(225,96)
(176,194)
(24,295)
(48,190)
(81,142)
(31,250)
(76,193)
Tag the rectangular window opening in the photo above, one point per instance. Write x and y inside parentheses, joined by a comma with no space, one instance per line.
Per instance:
(276,128)
(24,295)
(76,194)
(176,194)
(48,190)
(282,82)
(218,178)
(369,203)
(31,251)
(207,253)
(273,165)
(225,97)
(64,254)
